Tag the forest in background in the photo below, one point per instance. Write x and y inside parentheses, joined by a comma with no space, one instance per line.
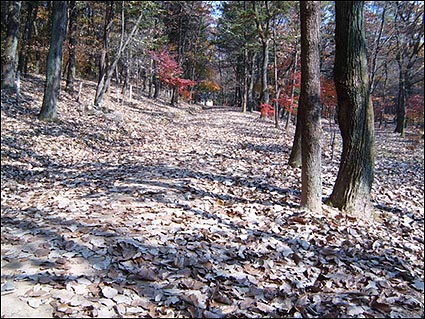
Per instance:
(235,53)
(124,205)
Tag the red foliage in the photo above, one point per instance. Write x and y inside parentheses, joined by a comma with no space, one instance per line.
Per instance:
(285,100)
(169,72)
(328,97)
(266,110)
(415,108)
(290,105)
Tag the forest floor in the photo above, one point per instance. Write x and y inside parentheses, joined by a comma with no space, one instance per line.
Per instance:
(148,210)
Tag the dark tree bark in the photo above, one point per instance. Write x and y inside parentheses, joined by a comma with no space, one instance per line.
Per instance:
(309,113)
(32,9)
(100,88)
(264,72)
(54,61)
(295,157)
(353,185)
(9,64)
(294,69)
(72,61)
(401,101)
(251,93)
(409,46)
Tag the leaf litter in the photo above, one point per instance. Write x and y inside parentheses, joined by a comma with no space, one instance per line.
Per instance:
(191,212)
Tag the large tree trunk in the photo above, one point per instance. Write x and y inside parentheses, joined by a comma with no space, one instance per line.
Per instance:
(9,64)
(54,61)
(309,113)
(353,185)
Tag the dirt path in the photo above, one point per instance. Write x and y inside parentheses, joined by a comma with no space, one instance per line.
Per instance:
(153,211)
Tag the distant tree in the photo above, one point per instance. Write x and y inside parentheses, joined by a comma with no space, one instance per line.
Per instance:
(27,35)
(353,185)
(54,61)
(10,57)
(186,25)
(309,112)
(409,45)
(236,38)
(106,70)
(264,12)
(72,43)
(169,73)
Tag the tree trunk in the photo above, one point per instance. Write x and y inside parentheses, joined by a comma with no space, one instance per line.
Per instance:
(276,84)
(309,113)
(295,157)
(72,44)
(251,93)
(9,63)
(174,96)
(264,74)
(100,89)
(54,61)
(103,85)
(353,185)
(245,81)
(401,102)
(293,86)
(27,36)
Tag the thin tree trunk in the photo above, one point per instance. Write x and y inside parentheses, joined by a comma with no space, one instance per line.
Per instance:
(293,86)
(103,55)
(26,37)
(401,102)
(104,85)
(245,81)
(72,61)
(54,61)
(264,75)
(251,93)
(276,84)
(376,48)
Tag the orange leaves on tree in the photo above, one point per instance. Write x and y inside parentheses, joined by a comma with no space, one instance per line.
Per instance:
(208,86)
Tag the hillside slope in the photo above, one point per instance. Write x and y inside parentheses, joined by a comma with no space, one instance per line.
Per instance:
(146,210)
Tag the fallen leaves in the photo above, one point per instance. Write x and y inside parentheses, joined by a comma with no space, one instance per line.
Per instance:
(196,215)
